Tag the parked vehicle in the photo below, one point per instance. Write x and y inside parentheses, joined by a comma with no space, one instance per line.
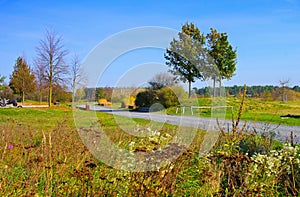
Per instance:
(9,103)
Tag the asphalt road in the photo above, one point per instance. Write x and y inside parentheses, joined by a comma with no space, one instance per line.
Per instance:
(283,131)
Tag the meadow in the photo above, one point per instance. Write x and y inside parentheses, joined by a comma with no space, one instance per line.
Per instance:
(256,110)
(42,155)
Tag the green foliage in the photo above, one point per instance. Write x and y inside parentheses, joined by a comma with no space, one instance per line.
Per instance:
(146,98)
(22,79)
(255,109)
(118,99)
(296,88)
(223,54)
(2,78)
(179,92)
(104,93)
(5,90)
(61,94)
(254,163)
(267,92)
(167,97)
(185,55)
(276,172)
(194,56)
(42,155)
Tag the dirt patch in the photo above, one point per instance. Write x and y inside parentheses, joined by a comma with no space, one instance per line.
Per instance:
(34,106)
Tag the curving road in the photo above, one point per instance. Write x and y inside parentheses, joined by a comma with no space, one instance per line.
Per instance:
(283,131)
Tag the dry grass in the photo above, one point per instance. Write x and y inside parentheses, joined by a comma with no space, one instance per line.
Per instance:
(42,155)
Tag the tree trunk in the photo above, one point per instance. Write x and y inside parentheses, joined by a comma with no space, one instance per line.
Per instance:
(73,88)
(73,97)
(214,87)
(41,97)
(23,97)
(220,87)
(190,88)
(50,82)
(50,95)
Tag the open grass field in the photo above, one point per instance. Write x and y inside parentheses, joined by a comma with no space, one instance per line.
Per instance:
(42,155)
(254,110)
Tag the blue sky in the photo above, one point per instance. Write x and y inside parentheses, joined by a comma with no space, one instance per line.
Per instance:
(266,33)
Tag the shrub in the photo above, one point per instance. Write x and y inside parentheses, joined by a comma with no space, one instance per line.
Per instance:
(268,174)
(180,92)
(146,98)
(167,97)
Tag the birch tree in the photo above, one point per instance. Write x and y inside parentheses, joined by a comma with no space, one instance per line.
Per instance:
(77,76)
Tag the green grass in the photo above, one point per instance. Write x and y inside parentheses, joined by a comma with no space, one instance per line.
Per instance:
(49,158)
(42,154)
(40,118)
(254,110)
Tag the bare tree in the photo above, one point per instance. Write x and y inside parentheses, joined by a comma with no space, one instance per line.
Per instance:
(77,76)
(40,80)
(50,56)
(283,92)
(162,80)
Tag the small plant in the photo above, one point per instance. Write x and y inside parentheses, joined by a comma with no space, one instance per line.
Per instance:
(42,155)
(269,174)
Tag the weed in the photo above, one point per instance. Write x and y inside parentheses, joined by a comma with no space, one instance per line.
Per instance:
(42,155)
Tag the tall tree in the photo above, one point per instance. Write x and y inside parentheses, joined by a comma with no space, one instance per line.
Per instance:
(50,55)
(5,90)
(2,78)
(185,55)
(22,79)
(224,56)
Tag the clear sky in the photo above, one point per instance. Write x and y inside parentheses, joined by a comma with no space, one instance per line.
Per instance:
(266,33)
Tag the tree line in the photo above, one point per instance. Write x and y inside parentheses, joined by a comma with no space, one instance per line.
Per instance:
(252,91)
(191,56)
(49,76)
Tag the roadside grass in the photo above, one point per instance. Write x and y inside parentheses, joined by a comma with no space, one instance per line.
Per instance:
(42,155)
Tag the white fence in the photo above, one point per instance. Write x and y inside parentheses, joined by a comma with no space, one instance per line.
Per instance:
(201,107)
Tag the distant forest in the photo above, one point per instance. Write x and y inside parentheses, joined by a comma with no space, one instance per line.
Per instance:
(265,92)
(253,91)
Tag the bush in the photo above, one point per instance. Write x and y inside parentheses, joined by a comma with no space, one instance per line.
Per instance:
(146,98)
(276,172)
(165,96)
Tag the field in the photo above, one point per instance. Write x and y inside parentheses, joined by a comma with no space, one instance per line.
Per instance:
(254,110)
(42,155)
